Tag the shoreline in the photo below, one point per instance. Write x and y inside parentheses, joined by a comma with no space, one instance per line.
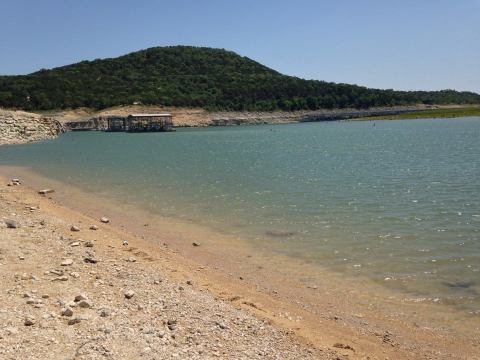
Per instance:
(323,310)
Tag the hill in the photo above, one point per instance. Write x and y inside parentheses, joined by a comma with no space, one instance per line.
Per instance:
(213,79)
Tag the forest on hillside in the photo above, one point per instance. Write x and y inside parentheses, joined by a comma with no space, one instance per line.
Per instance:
(184,76)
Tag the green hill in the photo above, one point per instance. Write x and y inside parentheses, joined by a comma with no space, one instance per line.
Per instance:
(187,76)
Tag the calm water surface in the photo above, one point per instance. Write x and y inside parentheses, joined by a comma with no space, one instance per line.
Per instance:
(398,202)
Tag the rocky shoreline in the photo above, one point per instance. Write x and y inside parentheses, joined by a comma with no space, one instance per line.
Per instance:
(22,127)
(72,287)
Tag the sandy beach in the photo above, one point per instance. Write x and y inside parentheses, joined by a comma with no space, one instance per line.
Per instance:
(188,301)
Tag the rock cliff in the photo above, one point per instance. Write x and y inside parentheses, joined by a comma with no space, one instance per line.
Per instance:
(22,127)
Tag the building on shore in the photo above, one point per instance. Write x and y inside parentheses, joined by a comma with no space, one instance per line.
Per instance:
(148,122)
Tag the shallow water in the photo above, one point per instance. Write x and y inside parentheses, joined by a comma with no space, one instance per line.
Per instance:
(398,202)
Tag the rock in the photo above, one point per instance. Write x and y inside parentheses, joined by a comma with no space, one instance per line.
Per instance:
(12,224)
(56,272)
(29,320)
(74,244)
(74,321)
(75,275)
(85,304)
(74,228)
(105,312)
(195,243)
(189,282)
(90,259)
(172,324)
(104,220)
(93,227)
(80,297)
(67,311)
(88,244)
(67,262)
(11,330)
(61,278)
(46,191)
(129,294)
(125,243)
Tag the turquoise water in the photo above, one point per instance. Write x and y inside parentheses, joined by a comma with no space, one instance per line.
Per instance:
(398,202)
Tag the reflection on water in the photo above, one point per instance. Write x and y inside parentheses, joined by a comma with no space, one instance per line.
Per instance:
(398,202)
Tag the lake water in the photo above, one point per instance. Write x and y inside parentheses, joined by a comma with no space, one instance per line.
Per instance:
(398,202)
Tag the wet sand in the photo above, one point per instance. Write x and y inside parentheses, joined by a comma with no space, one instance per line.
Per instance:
(353,317)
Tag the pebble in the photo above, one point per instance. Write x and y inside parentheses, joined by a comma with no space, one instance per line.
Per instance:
(196,243)
(29,321)
(67,262)
(85,304)
(46,191)
(88,244)
(74,321)
(129,294)
(104,220)
(74,228)
(125,243)
(93,227)
(75,274)
(76,243)
(105,312)
(11,330)
(67,311)
(12,224)
(80,297)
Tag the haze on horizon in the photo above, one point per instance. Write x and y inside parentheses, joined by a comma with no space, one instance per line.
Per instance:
(407,45)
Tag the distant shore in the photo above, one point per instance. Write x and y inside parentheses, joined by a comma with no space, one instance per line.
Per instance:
(20,127)
(438,113)
(326,317)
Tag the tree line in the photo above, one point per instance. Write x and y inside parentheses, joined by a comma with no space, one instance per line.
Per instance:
(214,79)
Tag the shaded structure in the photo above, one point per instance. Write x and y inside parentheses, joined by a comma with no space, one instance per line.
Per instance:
(148,122)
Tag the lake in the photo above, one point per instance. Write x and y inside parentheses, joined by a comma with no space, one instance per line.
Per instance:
(393,201)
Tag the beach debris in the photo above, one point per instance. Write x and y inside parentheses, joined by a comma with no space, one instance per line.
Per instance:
(12,224)
(46,191)
(67,262)
(104,220)
(29,320)
(67,311)
(125,243)
(74,228)
(196,243)
(93,227)
(129,294)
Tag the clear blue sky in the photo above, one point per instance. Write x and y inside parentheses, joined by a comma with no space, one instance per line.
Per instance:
(400,44)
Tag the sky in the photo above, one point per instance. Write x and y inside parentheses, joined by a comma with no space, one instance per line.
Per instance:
(388,44)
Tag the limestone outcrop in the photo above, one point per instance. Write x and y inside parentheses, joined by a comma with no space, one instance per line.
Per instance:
(21,127)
